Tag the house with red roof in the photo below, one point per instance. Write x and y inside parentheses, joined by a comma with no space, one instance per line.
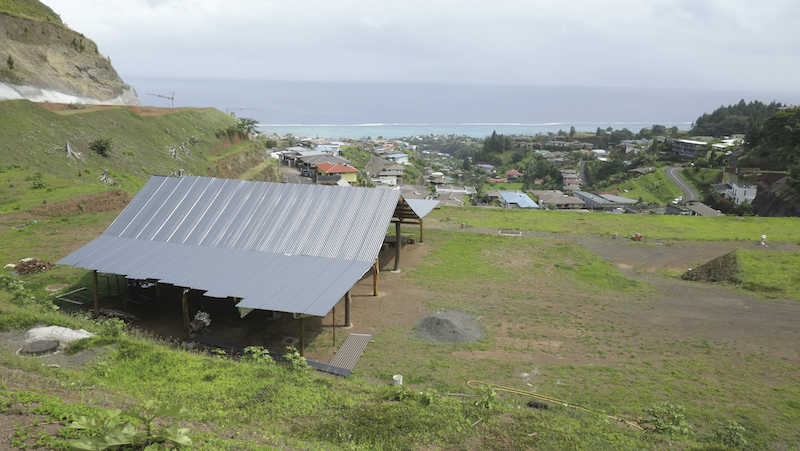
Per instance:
(513,174)
(348,173)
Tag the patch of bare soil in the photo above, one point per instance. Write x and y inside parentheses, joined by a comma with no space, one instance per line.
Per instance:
(94,203)
(720,269)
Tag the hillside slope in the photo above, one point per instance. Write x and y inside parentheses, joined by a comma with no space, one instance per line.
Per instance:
(34,137)
(44,61)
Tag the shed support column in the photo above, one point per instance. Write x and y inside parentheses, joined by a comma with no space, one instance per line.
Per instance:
(347,301)
(185,307)
(398,244)
(376,270)
(302,337)
(421,231)
(334,326)
(96,295)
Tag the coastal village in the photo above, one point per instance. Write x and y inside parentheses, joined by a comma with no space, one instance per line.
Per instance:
(392,166)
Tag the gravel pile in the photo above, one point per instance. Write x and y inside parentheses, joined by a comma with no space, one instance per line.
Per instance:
(449,326)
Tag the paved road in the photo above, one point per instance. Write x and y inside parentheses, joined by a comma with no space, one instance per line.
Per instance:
(294,175)
(688,192)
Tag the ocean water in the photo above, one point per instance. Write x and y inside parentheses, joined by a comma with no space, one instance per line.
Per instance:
(393,110)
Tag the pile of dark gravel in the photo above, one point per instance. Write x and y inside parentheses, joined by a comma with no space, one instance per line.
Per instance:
(449,326)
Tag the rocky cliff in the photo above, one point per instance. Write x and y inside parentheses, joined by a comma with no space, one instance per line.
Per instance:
(44,61)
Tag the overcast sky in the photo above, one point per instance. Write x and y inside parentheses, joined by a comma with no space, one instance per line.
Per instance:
(720,44)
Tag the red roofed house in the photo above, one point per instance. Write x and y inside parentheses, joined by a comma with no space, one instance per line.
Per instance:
(512,174)
(493,180)
(349,173)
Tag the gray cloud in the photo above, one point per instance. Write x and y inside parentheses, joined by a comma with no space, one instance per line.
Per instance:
(736,44)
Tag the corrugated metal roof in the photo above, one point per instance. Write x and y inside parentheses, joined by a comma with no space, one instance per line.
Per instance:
(421,207)
(263,242)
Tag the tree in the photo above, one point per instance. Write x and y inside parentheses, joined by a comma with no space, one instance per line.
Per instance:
(102,146)
(10,62)
(572,131)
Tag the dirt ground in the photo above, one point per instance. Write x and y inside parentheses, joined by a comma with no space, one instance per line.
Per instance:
(680,309)
(93,203)
(140,110)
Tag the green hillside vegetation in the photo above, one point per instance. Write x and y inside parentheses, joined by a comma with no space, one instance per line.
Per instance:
(32,9)
(34,138)
(701,178)
(733,119)
(654,187)
(774,146)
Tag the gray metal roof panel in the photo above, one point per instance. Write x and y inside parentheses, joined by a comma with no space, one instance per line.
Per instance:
(266,217)
(421,207)
(258,241)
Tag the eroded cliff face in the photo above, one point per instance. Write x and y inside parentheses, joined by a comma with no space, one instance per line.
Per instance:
(777,201)
(54,64)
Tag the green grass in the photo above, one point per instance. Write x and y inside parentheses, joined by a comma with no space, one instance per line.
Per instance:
(461,258)
(33,9)
(661,227)
(700,178)
(654,188)
(23,190)
(774,273)
(33,138)
(358,158)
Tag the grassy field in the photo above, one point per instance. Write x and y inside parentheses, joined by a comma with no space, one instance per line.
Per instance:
(722,228)
(654,188)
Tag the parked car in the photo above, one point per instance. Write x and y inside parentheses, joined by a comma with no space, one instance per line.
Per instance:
(286,180)
(305,173)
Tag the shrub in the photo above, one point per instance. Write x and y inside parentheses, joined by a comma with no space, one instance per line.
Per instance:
(729,433)
(102,146)
(10,62)
(668,419)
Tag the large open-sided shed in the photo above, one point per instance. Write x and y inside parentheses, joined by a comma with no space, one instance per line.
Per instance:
(248,240)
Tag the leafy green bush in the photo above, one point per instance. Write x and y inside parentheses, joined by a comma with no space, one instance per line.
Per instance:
(115,429)
(102,146)
(10,62)
(729,433)
(667,419)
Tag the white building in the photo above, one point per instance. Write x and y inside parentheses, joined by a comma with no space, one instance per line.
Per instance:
(741,193)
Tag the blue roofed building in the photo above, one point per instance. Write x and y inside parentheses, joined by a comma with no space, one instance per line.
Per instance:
(516,200)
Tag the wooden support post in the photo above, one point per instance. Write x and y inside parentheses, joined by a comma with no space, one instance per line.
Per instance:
(398,245)
(302,337)
(185,307)
(347,301)
(334,326)
(421,231)
(96,296)
(377,270)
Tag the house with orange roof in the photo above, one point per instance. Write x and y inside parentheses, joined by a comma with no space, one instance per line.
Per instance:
(348,173)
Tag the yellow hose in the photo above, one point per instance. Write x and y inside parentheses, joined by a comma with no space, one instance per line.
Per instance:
(477,384)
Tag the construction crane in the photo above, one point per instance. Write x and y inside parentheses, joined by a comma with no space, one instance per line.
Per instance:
(171,98)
